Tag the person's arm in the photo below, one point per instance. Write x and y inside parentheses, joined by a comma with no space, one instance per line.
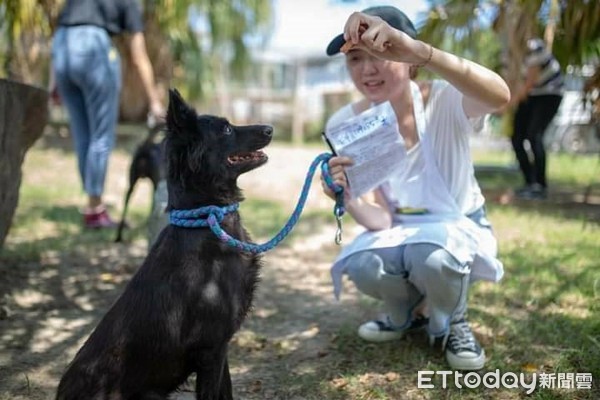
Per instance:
(369,210)
(141,61)
(484,90)
(533,73)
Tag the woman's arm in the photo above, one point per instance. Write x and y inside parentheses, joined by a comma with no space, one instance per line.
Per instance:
(484,90)
(533,73)
(139,55)
(370,211)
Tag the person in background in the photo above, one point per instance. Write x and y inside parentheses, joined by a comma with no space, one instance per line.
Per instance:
(420,264)
(86,72)
(538,100)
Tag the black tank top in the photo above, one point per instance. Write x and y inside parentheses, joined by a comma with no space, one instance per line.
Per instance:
(115,16)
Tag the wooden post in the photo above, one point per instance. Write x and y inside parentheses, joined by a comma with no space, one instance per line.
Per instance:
(23,116)
(298,107)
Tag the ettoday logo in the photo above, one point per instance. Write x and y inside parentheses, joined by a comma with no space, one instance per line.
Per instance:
(508,380)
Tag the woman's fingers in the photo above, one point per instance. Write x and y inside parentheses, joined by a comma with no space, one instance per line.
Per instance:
(337,167)
(369,33)
(340,161)
(337,176)
(357,24)
(326,189)
(351,28)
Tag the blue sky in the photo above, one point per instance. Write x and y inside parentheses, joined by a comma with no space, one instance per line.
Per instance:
(305,27)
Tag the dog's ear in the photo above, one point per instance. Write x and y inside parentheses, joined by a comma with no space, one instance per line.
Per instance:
(179,113)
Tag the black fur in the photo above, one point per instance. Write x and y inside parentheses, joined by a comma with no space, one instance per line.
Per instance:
(180,310)
(147,162)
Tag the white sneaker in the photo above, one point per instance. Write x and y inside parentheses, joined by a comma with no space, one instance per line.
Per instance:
(383,331)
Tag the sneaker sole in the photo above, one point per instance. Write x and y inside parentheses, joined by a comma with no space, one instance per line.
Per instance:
(379,336)
(466,364)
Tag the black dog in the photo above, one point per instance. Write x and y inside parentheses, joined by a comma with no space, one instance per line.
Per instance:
(147,162)
(180,310)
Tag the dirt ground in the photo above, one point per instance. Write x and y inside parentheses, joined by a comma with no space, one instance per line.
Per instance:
(47,309)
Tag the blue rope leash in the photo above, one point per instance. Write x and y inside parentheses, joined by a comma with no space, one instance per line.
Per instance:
(211,216)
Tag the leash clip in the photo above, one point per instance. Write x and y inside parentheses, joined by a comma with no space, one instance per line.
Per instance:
(338,219)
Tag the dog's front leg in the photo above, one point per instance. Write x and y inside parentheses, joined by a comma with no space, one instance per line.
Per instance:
(213,381)
(226,390)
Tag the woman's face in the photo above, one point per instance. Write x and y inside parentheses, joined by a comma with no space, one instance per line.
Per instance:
(378,80)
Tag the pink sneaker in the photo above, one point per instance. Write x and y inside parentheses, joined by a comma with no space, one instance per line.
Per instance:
(98,220)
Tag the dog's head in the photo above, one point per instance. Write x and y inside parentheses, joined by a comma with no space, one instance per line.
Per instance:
(206,154)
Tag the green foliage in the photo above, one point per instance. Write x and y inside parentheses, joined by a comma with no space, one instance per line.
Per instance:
(23,23)
(191,73)
(458,27)
(220,44)
(475,28)
(578,36)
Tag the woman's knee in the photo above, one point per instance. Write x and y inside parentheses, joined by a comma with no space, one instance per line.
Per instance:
(370,273)
(364,269)
(427,261)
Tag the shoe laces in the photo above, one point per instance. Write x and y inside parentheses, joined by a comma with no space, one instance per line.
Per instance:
(461,336)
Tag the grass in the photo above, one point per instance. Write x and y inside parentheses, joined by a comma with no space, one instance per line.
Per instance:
(569,171)
(542,317)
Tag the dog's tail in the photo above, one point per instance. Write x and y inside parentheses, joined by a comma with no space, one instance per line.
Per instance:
(122,223)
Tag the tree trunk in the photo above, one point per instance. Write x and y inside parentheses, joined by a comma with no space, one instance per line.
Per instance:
(297,103)
(23,116)
(553,18)
(514,29)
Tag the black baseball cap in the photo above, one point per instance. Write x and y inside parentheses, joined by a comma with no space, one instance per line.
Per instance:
(396,18)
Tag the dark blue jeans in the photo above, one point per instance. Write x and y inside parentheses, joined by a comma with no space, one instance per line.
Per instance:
(88,78)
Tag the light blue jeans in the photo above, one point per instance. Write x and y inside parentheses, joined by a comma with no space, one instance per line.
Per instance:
(88,78)
(404,276)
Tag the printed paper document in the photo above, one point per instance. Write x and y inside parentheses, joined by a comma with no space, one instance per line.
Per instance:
(372,140)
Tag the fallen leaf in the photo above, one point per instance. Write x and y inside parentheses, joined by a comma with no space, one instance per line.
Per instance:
(392,376)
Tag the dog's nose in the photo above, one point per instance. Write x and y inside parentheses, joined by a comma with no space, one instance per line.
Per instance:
(268,130)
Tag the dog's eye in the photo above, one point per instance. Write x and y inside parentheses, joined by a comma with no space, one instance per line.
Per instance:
(228,130)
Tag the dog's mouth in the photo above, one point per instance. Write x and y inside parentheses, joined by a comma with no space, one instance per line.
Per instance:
(247,158)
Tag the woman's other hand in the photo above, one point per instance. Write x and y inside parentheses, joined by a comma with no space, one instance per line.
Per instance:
(375,36)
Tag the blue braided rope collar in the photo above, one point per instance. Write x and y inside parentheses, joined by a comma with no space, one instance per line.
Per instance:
(211,216)
(201,217)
